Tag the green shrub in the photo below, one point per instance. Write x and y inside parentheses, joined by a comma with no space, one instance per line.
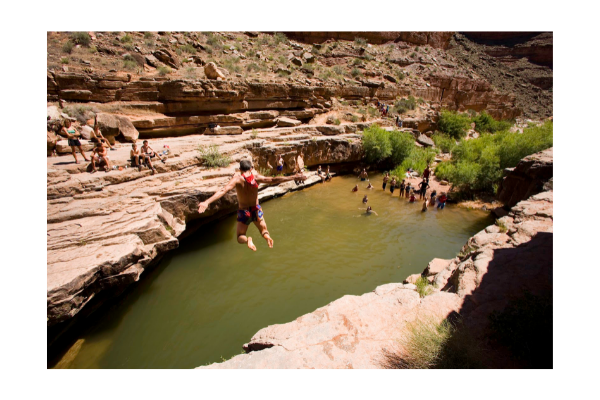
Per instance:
(232,64)
(403,105)
(443,142)
(418,159)
(403,144)
(212,157)
(360,41)
(64,60)
(484,122)
(279,37)
(354,118)
(129,65)
(252,67)
(445,171)
(188,48)
(356,72)
(376,143)
(67,47)
(82,38)
(429,344)
(162,71)
(93,49)
(337,121)
(126,38)
(454,124)
(423,286)
(148,35)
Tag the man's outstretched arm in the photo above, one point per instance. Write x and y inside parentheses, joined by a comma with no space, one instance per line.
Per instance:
(220,193)
(279,179)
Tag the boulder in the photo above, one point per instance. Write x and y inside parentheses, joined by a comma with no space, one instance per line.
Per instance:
(167,57)
(86,132)
(329,130)
(112,125)
(226,130)
(308,57)
(296,61)
(412,278)
(425,141)
(436,266)
(51,140)
(212,72)
(389,78)
(53,112)
(283,122)
(152,61)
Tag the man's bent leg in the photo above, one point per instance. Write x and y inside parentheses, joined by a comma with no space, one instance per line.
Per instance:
(262,227)
(242,228)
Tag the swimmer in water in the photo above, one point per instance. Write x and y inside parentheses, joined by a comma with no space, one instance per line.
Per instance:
(365,199)
(369,211)
(355,188)
(370,186)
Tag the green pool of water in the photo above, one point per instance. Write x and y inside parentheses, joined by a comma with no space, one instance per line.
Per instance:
(210,296)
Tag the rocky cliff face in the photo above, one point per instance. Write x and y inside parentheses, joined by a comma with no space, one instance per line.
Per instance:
(499,263)
(531,176)
(438,40)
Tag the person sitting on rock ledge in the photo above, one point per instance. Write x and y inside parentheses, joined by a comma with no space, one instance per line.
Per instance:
(328,175)
(99,137)
(73,140)
(246,187)
(99,155)
(136,157)
(149,154)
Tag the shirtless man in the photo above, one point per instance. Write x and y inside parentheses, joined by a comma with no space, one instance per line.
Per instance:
(99,154)
(386,178)
(280,164)
(299,166)
(148,153)
(246,186)
(363,175)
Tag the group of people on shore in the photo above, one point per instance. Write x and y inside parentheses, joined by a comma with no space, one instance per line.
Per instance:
(99,156)
(406,190)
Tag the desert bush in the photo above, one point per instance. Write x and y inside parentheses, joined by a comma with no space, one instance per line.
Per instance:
(429,344)
(403,144)
(93,49)
(279,37)
(252,67)
(454,124)
(403,105)
(68,47)
(188,48)
(424,288)
(356,72)
(445,170)
(354,118)
(64,60)
(129,65)
(443,142)
(162,70)
(360,41)
(417,159)
(81,112)
(232,64)
(82,38)
(484,122)
(213,40)
(212,157)
(148,35)
(337,121)
(126,38)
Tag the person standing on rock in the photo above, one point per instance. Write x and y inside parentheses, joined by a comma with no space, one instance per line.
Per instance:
(299,165)
(246,187)
(280,164)
(73,139)
(386,178)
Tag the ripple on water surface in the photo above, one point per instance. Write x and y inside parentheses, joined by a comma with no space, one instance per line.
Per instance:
(210,296)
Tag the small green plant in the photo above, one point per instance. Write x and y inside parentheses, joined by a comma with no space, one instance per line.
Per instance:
(279,38)
(354,118)
(232,64)
(129,65)
(148,35)
(337,121)
(64,60)
(454,124)
(424,288)
(356,72)
(82,38)
(93,49)
(68,47)
(403,105)
(466,251)
(413,54)
(82,242)
(162,71)
(360,41)
(502,226)
(126,38)
(254,133)
(212,157)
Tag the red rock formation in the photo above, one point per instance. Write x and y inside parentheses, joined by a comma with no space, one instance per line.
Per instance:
(438,40)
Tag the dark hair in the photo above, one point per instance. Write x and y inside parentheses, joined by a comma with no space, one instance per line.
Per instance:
(145,141)
(245,165)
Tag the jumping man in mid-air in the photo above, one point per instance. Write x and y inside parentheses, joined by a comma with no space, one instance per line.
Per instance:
(246,186)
